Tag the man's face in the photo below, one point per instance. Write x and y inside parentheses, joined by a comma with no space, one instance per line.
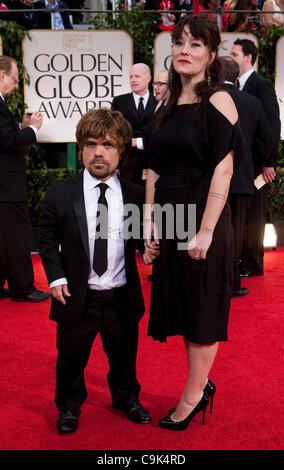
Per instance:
(243,60)
(9,80)
(139,79)
(101,157)
(161,86)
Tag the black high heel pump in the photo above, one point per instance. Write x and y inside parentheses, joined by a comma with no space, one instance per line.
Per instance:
(168,423)
(209,389)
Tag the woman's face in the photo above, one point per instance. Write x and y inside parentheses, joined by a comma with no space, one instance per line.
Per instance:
(190,55)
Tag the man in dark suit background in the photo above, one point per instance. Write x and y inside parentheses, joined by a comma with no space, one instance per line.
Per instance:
(95,293)
(42,19)
(244,52)
(258,137)
(15,227)
(138,108)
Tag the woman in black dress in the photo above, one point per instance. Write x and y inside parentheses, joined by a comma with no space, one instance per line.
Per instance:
(194,145)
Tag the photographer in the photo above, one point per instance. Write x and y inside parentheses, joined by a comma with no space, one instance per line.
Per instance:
(238,20)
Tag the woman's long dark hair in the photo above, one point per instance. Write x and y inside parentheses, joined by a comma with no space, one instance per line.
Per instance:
(201,27)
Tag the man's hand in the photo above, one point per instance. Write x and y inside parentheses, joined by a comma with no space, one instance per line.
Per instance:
(60,292)
(268,174)
(32,119)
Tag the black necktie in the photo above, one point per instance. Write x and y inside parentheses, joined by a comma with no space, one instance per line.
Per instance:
(100,251)
(238,84)
(140,109)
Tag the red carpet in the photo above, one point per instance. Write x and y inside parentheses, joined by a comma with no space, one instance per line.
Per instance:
(248,405)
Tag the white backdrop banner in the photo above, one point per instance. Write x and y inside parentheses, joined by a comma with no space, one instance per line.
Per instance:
(279,79)
(71,72)
(162,48)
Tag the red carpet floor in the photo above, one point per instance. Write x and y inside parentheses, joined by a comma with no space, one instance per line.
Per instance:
(248,372)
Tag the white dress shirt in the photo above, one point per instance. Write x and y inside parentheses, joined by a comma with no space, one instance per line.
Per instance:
(244,78)
(115,274)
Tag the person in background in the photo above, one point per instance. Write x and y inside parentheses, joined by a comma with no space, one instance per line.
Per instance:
(212,5)
(258,137)
(15,226)
(195,143)
(43,19)
(244,20)
(161,84)
(244,52)
(275,18)
(167,20)
(25,20)
(138,108)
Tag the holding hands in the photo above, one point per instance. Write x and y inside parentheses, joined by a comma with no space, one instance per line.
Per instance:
(152,250)
(151,243)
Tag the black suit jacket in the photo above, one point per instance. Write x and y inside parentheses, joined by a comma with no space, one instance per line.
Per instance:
(258,136)
(42,19)
(263,89)
(13,141)
(63,224)
(126,105)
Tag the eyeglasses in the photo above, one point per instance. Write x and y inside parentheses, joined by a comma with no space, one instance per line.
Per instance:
(160,83)
(16,82)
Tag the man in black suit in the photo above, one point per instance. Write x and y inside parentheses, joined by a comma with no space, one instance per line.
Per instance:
(94,277)
(244,52)
(138,108)
(42,19)
(258,137)
(15,227)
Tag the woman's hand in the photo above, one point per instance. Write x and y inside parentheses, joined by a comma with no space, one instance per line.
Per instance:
(200,244)
(152,250)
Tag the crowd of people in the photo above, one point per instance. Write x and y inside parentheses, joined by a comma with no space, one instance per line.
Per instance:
(237,13)
(211,128)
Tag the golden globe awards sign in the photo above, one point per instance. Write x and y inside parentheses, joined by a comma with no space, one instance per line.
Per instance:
(279,80)
(71,72)
(162,48)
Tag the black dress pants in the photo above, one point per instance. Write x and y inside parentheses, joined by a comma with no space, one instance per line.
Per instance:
(107,313)
(239,205)
(253,251)
(15,248)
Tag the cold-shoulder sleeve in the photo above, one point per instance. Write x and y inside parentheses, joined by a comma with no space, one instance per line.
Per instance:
(223,137)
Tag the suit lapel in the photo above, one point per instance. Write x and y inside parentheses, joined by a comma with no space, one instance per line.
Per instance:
(150,105)
(131,106)
(79,209)
(249,82)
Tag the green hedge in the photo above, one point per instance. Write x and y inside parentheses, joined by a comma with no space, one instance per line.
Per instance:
(38,182)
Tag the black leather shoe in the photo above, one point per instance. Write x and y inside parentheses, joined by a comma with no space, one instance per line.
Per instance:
(134,411)
(34,296)
(4,293)
(248,273)
(68,421)
(239,293)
